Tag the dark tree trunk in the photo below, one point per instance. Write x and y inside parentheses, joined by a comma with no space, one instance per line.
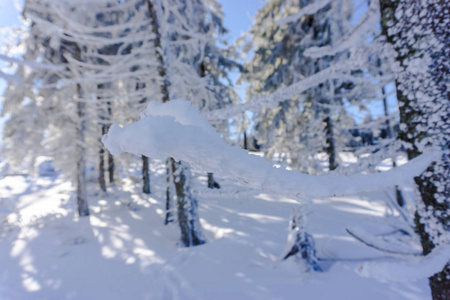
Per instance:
(245,140)
(111,168)
(101,169)
(145,175)
(101,163)
(330,149)
(212,183)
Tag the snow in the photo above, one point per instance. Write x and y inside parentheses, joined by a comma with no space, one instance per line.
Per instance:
(123,253)
(175,129)
(410,270)
(310,9)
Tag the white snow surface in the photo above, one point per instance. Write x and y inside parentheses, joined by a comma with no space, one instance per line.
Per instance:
(411,269)
(176,129)
(47,252)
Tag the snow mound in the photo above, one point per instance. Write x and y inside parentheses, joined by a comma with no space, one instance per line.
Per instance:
(175,129)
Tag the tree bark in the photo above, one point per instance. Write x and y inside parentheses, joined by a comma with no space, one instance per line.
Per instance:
(186,207)
(111,168)
(145,175)
(212,183)
(245,140)
(412,118)
(169,191)
(330,149)
(101,169)
(83,209)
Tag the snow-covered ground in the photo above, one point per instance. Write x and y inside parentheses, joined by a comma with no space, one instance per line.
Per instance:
(123,250)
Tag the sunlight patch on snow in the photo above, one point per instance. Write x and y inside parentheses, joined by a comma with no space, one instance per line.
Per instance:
(360,210)
(265,197)
(30,284)
(219,232)
(107,252)
(18,247)
(95,221)
(130,260)
(262,218)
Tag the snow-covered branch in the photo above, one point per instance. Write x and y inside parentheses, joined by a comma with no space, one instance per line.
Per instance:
(31,64)
(307,10)
(176,129)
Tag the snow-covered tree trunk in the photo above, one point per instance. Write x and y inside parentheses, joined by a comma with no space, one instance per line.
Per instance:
(101,152)
(170,192)
(422,92)
(110,156)
(186,206)
(83,209)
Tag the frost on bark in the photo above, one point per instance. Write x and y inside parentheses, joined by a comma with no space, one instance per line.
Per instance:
(186,207)
(422,92)
(170,192)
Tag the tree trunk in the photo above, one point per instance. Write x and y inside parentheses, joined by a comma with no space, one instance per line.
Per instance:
(169,191)
(101,169)
(111,168)
(245,140)
(429,206)
(101,163)
(390,135)
(83,209)
(212,183)
(330,149)
(110,156)
(145,175)
(186,207)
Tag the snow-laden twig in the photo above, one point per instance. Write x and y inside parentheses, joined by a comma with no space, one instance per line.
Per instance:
(31,64)
(307,10)
(396,249)
(10,78)
(369,20)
